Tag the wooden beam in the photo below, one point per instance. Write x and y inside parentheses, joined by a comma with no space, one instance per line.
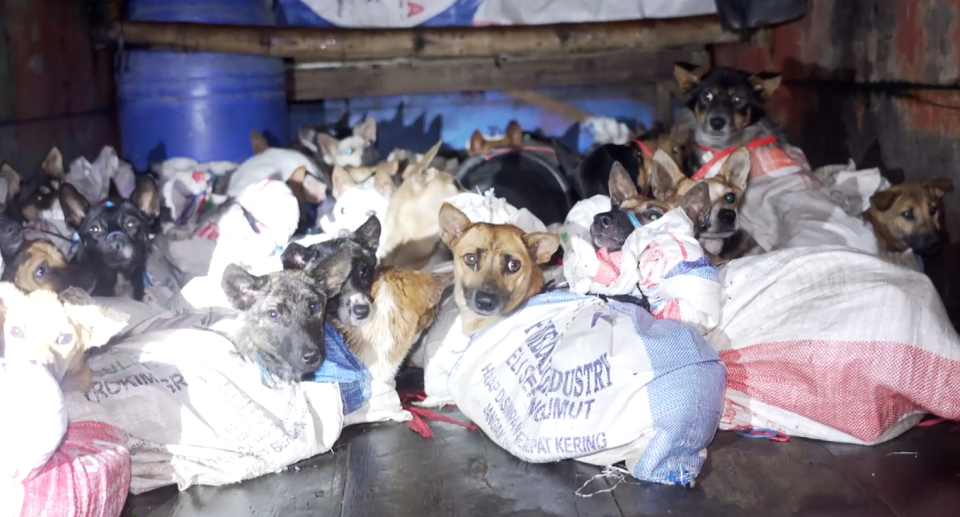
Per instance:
(308,82)
(538,99)
(420,42)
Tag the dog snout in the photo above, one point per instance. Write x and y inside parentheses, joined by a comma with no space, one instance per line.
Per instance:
(361,311)
(727,216)
(718,123)
(925,244)
(310,356)
(116,241)
(603,220)
(485,301)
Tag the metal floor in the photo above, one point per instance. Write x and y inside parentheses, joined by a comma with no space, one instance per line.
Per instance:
(387,470)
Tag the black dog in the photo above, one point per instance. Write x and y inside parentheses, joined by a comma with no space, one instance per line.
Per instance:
(591,175)
(114,236)
(726,107)
(282,315)
(354,303)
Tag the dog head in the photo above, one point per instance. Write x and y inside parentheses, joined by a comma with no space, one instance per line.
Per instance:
(353,151)
(115,233)
(283,315)
(724,101)
(40,193)
(412,231)
(908,215)
(307,188)
(725,190)
(512,137)
(354,303)
(39,327)
(40,265)
(611,229)
(495,266)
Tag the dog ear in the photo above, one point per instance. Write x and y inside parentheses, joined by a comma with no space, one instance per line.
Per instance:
(296,256)
(765,83)
(420,174)
(366,129)
(940,187)
(241,288)
(514,134)
(383,178)
(688,76)
(541,246)
(696,204)
(74,205)
(453,224)
(98,324)
(11,178)
(736,168)
(336,268)
(478,143)
(258,142)
(146,197)
(328,145)
(307,135)
(312,189)
(620,184)
(368,234)
(664,175)
(53,164)
(342,181)
(883,200)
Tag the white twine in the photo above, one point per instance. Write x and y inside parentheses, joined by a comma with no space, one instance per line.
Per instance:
(608,472)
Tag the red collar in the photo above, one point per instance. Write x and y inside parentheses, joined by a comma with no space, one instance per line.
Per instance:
(643,148)
(719,155)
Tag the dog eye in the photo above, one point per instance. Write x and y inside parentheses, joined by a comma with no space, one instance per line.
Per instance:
(343,210)
(273,315)
(908,215)
(652,215)
(64,339)
(707,96)
(730,197)
(513,266)
(933,209)
(314,306)
(130,225)
(96,230)
(363,271)
(737,99)
(40,271)
(470,259)
(349,150)
(17,332)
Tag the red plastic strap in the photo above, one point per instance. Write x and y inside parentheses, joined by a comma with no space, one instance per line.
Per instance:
(769,434)
(418,424)
(752,146)
(643,148)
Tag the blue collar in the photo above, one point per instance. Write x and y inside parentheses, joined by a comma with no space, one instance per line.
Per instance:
(633,220)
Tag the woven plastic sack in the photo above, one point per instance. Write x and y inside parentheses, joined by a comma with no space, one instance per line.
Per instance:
(573,377)
(834,344)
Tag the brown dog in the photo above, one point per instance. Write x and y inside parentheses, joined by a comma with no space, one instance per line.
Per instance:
(40,327)
(908,215)
(405,304)
(512,137)
(721,234)
(40,265)
(41,192)
(496,266)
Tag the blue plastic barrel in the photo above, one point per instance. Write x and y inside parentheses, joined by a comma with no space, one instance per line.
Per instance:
(199,105)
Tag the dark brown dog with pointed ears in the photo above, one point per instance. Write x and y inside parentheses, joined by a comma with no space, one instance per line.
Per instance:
(496,266)
(909,215)
(728,105)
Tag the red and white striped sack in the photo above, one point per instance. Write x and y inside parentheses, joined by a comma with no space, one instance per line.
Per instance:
(834,344)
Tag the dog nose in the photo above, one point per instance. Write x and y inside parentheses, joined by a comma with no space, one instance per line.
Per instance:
(604,220)
(727,216)
(310,356)
(485,301)
(361,311)
(718,123)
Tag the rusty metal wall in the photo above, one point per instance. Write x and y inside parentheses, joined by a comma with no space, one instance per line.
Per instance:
(55,88)
(877,81)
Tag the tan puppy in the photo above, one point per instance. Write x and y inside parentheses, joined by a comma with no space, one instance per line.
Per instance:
(405,303)
(39,327)
(382,178)
(495,266)
(512,137)
(411,229)
(908,215)
(721,234)
(40,265)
